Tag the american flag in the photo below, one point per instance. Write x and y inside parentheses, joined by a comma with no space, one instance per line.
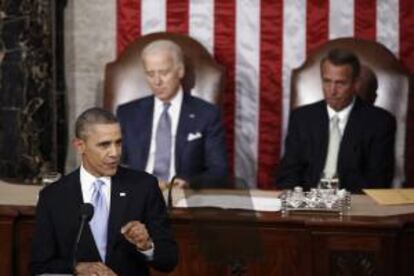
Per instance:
(259,43)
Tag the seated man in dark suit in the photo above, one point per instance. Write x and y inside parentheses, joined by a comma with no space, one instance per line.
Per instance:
(129,229)
(172,133)
(340,136)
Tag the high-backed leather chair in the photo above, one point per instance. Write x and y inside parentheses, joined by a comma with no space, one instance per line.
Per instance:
(125,79)
(380,66)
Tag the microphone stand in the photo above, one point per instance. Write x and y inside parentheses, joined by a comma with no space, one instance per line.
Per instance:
(86,215)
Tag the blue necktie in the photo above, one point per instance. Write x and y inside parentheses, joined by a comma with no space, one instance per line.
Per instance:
(163,145)
(99,222)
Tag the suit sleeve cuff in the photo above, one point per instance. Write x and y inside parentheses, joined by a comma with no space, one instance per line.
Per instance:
(149,253)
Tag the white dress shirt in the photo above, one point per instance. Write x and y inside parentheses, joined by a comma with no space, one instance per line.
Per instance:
(87,187)
(174,112)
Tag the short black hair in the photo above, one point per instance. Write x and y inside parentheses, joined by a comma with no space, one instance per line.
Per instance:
(339,56)
(92,116)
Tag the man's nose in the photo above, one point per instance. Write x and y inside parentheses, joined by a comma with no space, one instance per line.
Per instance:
(333,88)
(114,151)
(157,79)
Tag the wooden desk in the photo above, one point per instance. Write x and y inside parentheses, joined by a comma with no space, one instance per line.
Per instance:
(372,240)
(7,218)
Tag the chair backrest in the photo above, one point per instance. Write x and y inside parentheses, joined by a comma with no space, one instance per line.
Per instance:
(381,69)
(125,79)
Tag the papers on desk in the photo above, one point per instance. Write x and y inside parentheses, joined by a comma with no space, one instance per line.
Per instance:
(254,203)
(54,274)
(391,196)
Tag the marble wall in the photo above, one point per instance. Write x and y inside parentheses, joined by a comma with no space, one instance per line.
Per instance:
(53,69)
(28,113)
(90,43)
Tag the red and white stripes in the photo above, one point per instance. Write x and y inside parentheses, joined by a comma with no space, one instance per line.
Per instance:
(259,42)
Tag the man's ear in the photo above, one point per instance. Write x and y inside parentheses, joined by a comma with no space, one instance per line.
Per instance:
(79,145)
(181,71)
(356,86)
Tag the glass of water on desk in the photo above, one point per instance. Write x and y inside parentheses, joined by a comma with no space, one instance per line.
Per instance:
(329,183)
(50,177)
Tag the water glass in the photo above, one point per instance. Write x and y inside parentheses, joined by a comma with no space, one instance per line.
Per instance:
(329,183)
(50,177)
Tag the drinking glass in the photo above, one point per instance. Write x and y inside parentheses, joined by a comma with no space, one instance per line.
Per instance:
(50,177)
(329,183)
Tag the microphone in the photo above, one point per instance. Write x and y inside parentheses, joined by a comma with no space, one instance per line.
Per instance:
(86,213)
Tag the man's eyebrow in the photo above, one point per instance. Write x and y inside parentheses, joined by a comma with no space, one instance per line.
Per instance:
(110,141)
(106,142)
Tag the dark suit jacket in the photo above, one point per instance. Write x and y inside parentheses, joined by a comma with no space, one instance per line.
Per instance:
(202,158)
(57,223)
(366,155)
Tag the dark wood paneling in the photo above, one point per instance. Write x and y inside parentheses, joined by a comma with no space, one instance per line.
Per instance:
(7,218)
(24,236)
(218,242)
(407,247)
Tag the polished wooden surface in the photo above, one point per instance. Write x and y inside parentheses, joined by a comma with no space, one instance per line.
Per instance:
(371,240)
(311,244)
(7,217)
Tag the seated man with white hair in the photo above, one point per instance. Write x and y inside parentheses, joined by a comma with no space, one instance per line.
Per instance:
(172,133)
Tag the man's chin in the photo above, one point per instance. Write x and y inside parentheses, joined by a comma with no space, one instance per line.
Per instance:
(111,171)
(161,96)
(165,96)
(335,106)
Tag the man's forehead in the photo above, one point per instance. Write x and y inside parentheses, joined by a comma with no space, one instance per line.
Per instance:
(159,67)
(336,69)
(159,64)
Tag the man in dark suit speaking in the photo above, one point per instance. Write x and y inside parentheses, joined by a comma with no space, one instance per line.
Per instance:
(340,136)
(129,229)
(172,133)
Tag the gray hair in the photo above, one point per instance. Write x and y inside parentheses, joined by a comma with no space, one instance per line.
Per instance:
(164,45)
(92,116)
(339,57)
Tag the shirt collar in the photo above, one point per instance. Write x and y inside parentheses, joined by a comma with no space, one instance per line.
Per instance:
(89,178)
(175,101)
(343,114)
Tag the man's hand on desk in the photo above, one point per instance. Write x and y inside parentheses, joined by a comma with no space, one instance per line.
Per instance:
(178,183)
(181,183)
(93,268)
(163,185)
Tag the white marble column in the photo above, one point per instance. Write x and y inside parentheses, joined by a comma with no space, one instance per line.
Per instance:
(90,43)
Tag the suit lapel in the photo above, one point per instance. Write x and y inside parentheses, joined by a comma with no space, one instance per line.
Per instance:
(321,134)
(75,186)
(351,132)
(185,124)
(146,128)
(118,204)
(87,250)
